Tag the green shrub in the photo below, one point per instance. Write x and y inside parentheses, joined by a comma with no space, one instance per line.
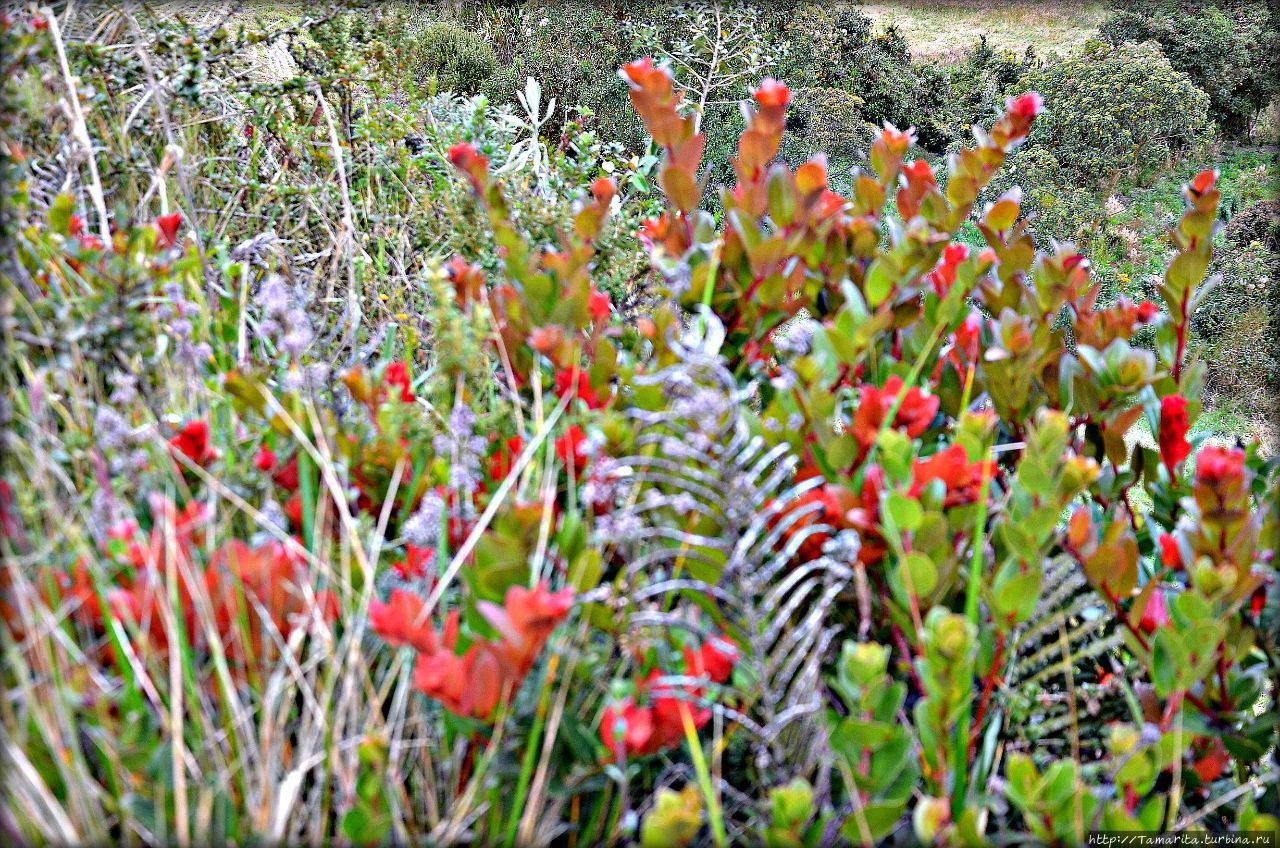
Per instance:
(978,86)
(837,47)
(460,60)
(572,49)
(1257,223)
(1233,331)
(1117,112)
(1229,49)
(828,120)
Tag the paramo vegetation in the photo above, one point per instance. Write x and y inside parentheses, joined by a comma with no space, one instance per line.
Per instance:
(688,425)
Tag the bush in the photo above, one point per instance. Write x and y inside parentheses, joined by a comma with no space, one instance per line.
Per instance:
(828,120)
(572,49)
(1234,332)
(460,60)
(1229,49)
(1117,112)
(836,47)
(1257,223)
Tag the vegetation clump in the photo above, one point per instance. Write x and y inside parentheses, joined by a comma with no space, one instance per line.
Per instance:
(388,463)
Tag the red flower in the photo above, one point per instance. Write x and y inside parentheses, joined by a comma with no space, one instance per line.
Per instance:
(1213,762)
(1173,432)
(265,459)
(572,449)
(626,729)
(465,158)
(968,336)
(603,189)
(962,478)
(914,414)
(473,684)
(467,280)
(1147,311)
(715,659)
(576,383)
(414,564)
(919,170)
(1027,106)
(400,621)
(896,140)
(1217,467)
(525,621)
(167,229)
(502,460)
(1170,554)
(75,226)
(286,477)
(1155,614)
(1204,181)
(599,305)
(834,503)
(772,94)
(244,582)
(397,376)
(944,275)
(192,441)
(470,685)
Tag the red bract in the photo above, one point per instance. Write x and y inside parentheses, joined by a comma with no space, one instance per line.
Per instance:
(715,659)
(400,621)
(944,275)
(1172,438)
(1155,614)
(576,384)
(914,414)
(414,564)
(502,459)
(167,229)
(264,460)
(192,441)
(397,377)
(474,684)
(1170,554)
(1219,467)
(572,449)
(962,478)
(599,306)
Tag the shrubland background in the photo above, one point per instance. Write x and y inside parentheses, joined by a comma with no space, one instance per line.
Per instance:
(253,281)
(1139,96)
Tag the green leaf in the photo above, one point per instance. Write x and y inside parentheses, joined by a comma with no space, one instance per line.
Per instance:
(922,571)
(1018,596)
(906,512)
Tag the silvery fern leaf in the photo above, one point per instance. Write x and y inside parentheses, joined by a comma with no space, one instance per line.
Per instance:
(713,523)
